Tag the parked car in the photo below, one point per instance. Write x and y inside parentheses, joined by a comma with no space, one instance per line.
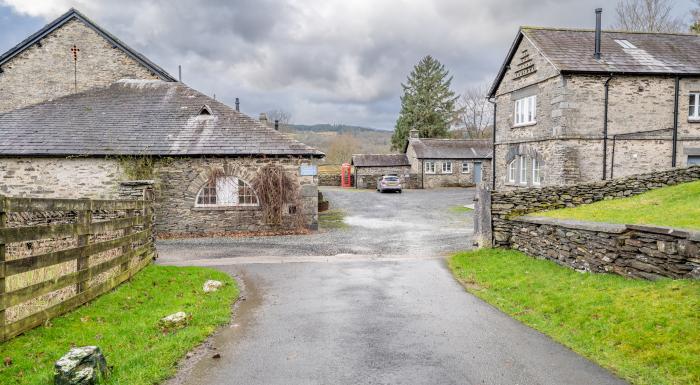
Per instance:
(389,183)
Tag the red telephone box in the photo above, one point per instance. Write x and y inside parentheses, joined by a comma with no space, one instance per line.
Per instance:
(346,175)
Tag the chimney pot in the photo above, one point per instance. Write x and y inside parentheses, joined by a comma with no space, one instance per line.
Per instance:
(598,17)
(238,105)
(414,134)
(277,125)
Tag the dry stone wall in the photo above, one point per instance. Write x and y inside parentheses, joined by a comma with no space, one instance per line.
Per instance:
(630,250)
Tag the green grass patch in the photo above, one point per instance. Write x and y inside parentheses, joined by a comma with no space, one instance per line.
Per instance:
(332,219)
(460,209)
(123,323)
(646,332)
(674,206)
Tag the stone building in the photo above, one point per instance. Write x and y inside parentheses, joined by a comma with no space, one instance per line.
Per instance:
(70,54)
(201,154)
(572,108)
(448,162)
(369,168)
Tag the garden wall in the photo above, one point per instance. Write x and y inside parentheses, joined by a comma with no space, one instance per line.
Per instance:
(648,252)
(639,251)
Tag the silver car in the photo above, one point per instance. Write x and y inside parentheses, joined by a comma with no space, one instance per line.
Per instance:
(389,183)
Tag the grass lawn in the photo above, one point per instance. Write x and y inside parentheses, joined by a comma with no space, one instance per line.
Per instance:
(674,206)
(645,332)
(332,219)
(460,209)
(123,323)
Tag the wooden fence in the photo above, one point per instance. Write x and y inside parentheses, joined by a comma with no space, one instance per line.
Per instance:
(72,251)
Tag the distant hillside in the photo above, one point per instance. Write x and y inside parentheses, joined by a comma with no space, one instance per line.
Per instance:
(340,141)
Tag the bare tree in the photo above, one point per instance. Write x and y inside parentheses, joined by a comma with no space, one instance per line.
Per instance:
(695,15)
(475,112)
(647,16)
(341,148)
(284,118)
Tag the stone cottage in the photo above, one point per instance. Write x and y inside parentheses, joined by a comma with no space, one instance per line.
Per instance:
(369,168)
(584,105)
(70,54)
(448,162)
(201,153)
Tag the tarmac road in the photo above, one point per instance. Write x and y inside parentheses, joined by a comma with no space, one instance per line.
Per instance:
(315,315)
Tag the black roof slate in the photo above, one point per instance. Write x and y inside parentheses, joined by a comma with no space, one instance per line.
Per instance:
(140,117)
(451,148)
(380,160)
(571,50)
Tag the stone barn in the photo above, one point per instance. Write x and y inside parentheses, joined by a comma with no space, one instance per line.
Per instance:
(369,168)
(202,155)
(448,162)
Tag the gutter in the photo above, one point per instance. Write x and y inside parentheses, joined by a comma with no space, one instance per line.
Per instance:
(422,174)
(675,123)
(605,127)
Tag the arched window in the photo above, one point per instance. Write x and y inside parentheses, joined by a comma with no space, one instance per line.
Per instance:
(511,170)
(226,191)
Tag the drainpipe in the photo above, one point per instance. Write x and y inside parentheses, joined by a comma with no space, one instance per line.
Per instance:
(675,123)
(612,158)
(493,146)
(605,128)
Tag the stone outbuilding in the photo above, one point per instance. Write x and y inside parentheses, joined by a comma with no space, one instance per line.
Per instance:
(369,168)
(572,107)
(202,154)
(448,162)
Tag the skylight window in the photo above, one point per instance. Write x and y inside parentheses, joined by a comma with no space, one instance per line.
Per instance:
(625,43)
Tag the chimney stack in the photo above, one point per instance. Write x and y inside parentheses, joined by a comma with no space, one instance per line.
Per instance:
(277,125)
(263,118)
(598,15)
(238,105)
(414,134)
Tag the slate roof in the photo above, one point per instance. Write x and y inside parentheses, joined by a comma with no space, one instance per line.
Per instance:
(140,117)
(451,148)
(379,160)
(571,51)
(75,14)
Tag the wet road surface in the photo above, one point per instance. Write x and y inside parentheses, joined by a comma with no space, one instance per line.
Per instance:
(371,317)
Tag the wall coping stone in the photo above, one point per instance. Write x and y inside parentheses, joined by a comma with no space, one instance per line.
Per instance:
(137,182)
(612,228)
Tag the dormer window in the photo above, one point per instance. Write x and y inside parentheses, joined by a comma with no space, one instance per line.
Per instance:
(205,110)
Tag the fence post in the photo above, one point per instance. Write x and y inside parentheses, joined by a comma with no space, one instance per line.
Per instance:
(85,219)
(3,222)
(127,248)
(149,198)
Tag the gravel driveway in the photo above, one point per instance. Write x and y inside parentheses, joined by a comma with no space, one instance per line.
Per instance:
(417,223)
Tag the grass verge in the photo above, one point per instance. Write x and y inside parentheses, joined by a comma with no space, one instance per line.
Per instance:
(332,219)
(646,332)
(123,323)
(657,207)
(460,209)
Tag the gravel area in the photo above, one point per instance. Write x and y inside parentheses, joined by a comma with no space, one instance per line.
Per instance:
(421,223)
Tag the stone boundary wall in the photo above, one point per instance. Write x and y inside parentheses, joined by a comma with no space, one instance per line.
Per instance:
(332,180)
(648,252)
(630,250)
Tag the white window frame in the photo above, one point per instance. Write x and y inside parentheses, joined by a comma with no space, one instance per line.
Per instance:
(228,193)
(536,172)
(511,170)
(522,174)
(465,167)
(429,167)
(694,108)
(525,111)
(447,167)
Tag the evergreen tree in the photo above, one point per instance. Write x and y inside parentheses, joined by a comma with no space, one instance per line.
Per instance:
(428,104)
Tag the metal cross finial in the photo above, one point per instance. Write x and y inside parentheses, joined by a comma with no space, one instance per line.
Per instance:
(75,51)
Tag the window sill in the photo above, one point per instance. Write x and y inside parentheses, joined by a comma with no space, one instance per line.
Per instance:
(226,208)
(523,125)
(693,120)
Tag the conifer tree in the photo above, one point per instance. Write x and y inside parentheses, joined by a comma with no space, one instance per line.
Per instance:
(428,104)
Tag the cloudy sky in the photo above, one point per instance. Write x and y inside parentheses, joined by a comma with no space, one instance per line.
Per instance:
(324,61)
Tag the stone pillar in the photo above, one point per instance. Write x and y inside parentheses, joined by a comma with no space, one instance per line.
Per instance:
(483,236)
